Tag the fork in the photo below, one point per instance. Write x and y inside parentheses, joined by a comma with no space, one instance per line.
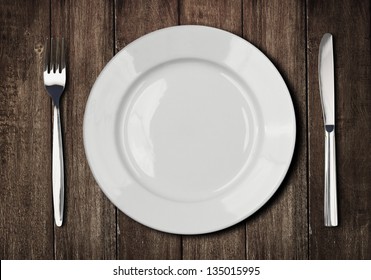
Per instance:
(55,81)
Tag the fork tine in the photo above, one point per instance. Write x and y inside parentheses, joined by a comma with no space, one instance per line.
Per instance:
(52,56)
(57,55)
(47,55)
(63,61)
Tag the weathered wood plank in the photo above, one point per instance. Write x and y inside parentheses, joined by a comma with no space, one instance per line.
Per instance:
(349,22)
(26,217)
(229,243)
(134,19)
(221,14)
(280,229)
(137,18)
(89,230)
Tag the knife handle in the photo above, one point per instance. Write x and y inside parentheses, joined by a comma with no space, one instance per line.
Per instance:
(330,211)
(58,169)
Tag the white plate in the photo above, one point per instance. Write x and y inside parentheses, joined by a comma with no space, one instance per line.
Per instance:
(189,129)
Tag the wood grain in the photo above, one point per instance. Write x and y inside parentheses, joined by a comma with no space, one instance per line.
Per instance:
(89,231)
(26,217)
(221,14)
(230,243)
(280,229)
(350,26)
(227,244)
(134,19)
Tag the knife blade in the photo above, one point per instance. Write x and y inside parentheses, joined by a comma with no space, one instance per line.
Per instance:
(327,93)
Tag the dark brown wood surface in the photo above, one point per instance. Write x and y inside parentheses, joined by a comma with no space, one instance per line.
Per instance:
(289,226)
(26,227)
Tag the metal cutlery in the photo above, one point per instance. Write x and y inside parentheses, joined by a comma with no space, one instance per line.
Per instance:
(327,91)
(55,81)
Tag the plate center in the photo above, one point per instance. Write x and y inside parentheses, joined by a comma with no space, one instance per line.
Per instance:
(187,131)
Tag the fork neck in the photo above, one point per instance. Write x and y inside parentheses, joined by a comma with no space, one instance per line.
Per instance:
(56,102)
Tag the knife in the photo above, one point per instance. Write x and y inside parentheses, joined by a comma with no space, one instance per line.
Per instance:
(327,92)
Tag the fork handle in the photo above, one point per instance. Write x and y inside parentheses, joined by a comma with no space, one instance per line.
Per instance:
(330,210)
(58,170)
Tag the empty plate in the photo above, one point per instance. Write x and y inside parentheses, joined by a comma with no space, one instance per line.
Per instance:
(189,129)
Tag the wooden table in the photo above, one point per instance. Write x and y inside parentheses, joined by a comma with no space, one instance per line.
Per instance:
(289,226)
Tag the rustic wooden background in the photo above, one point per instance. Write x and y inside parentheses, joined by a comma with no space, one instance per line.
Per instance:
(289,226)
